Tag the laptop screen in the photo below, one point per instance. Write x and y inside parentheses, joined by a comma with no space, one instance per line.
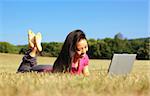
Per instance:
(121,63)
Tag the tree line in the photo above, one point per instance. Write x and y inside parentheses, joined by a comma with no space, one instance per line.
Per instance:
(98,48)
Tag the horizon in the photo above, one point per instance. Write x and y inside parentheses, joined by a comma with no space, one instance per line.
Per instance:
(99,19)
(63,41)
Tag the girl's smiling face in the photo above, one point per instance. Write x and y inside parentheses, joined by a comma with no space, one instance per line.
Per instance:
(81,48)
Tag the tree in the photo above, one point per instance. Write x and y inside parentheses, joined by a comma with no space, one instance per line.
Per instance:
(105,50)
(51,49)
(94,51)
(119,36)
(144,52)
(6,47)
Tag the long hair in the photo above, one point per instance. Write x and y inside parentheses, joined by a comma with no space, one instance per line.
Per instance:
(63,62)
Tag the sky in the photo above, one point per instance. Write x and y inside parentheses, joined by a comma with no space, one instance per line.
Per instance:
(56,18)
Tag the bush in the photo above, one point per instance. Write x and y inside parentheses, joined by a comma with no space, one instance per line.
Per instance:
(6,47)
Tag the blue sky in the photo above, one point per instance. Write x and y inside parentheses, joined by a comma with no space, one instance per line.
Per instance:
(56,18)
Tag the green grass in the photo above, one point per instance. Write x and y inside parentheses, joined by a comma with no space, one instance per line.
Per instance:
(99,83)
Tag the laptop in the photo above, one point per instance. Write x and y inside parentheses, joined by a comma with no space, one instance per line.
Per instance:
(121,64)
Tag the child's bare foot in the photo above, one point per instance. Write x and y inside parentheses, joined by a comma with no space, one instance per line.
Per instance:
(38,39)
(31,38)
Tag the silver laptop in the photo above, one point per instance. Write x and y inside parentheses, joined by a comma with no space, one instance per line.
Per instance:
(121,64)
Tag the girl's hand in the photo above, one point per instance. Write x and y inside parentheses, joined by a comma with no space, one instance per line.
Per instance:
(86,71)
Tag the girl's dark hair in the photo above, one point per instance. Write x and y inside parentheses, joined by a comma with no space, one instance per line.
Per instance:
(63,61)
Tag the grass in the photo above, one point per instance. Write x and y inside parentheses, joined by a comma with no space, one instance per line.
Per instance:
(99,83)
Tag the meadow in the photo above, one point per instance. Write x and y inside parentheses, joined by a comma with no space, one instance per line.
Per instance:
(99,83)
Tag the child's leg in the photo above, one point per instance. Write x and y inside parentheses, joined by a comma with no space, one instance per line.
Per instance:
(28,61)
(42,68)
(38,39)
(31,39)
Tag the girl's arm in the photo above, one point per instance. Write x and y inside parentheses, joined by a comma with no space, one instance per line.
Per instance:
(86,71)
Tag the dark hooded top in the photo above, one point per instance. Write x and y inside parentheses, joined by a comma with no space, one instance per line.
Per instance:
(63,62)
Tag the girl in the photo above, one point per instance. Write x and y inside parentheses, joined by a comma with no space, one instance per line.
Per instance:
(72,58)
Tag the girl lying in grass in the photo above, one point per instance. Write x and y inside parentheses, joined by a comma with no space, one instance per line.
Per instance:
(72,58)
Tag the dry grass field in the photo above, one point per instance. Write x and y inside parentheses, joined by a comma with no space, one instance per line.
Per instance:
(99,83)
